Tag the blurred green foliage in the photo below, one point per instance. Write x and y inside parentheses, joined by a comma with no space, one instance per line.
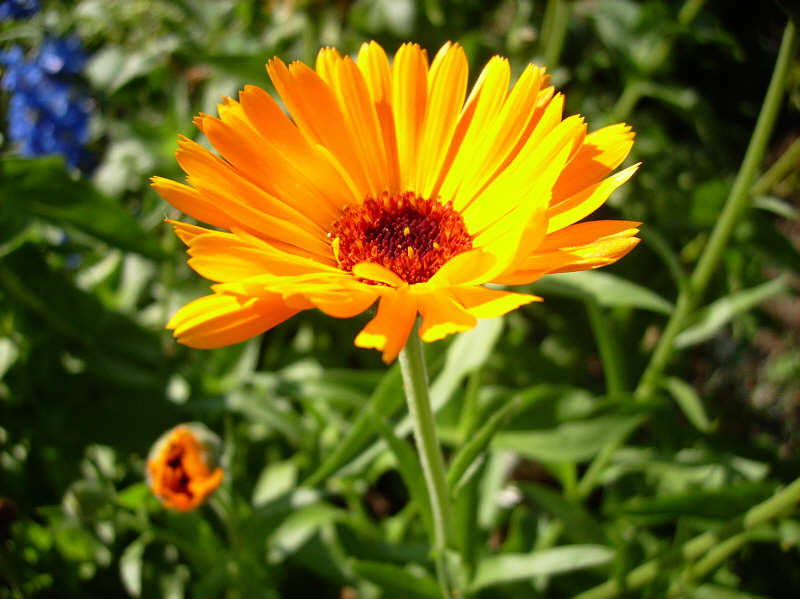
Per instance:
(322,493)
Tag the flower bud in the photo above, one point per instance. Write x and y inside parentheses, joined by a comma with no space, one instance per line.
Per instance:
(182,469)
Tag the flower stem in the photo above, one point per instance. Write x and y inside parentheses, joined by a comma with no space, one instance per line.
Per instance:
(554,31)
(415,382)
(737,202)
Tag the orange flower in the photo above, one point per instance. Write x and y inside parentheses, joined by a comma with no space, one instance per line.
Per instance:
(389,183)
(180,465)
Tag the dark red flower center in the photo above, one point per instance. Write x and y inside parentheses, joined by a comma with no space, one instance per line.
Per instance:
(410,235)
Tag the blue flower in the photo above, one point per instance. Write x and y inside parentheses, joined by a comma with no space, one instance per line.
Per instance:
(48,113)
(18,9)
(61,55)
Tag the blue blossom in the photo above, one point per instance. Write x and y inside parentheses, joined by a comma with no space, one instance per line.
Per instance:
(48,113)
(61,55)
(18,9)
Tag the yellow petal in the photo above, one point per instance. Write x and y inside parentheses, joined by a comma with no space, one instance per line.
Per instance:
(490,303)
(219,320)
(587,201)
(409,101)
(442,316)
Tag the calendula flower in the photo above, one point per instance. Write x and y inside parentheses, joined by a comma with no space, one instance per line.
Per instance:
(388,182)
(181,466)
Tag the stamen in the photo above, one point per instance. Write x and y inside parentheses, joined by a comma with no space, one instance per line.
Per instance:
(405,233)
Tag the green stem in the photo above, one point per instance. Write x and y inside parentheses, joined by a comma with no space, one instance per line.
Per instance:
(782,167)
(613,366)
(554,31)
(737,202)
(415,382)
(634,88)
(778,505)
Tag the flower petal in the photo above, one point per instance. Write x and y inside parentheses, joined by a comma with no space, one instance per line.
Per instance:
(442,316)
(490,303)
(218,320)
(390,328)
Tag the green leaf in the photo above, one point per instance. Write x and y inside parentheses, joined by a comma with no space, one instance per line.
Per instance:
(727,502)
(386,398)
(42,188)
(689,402)
(574,441)
(777,206)
(605,288)
(396,581)
(298,528)
(469,351)
(510,567)
(579,525)
(410,469)
(481,439)
(130,565)
(713,317)
(713,591)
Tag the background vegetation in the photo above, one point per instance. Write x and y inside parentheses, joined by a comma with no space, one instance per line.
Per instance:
(582,483)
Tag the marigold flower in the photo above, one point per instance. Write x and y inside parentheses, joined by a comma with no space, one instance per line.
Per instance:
(389,183)
(180,468)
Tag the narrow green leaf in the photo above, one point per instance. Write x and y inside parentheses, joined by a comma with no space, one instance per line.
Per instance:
(605,288)
(777,206)
(386,398)
(130,565)
(689,402)
(713,591)
(510,567)
(713,317)
(479,442)
(574,441)
(396,581)
(410,469)
(42,188)
(579,525)
(469,351)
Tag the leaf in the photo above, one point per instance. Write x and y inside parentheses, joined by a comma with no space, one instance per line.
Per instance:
(713,317)
(579,525)
(298,528)
(396,581)
(276,479)
(410,470)
(481,439)
(42,188)
(776,206)
(510,567)
(574,441)
(606,289)
(386,398)
(713,591)
(727,502)
(130,565)
(469,351)
(689,402)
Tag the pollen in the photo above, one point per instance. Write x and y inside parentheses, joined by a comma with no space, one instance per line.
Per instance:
(410,235)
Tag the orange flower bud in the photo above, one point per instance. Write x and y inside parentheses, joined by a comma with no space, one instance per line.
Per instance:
(181,467)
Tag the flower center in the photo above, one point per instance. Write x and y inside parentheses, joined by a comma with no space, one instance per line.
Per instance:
(410,235)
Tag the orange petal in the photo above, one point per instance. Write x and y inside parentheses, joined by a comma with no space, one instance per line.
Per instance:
(218,320)
(442,316)
(314,108)
(390,328)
